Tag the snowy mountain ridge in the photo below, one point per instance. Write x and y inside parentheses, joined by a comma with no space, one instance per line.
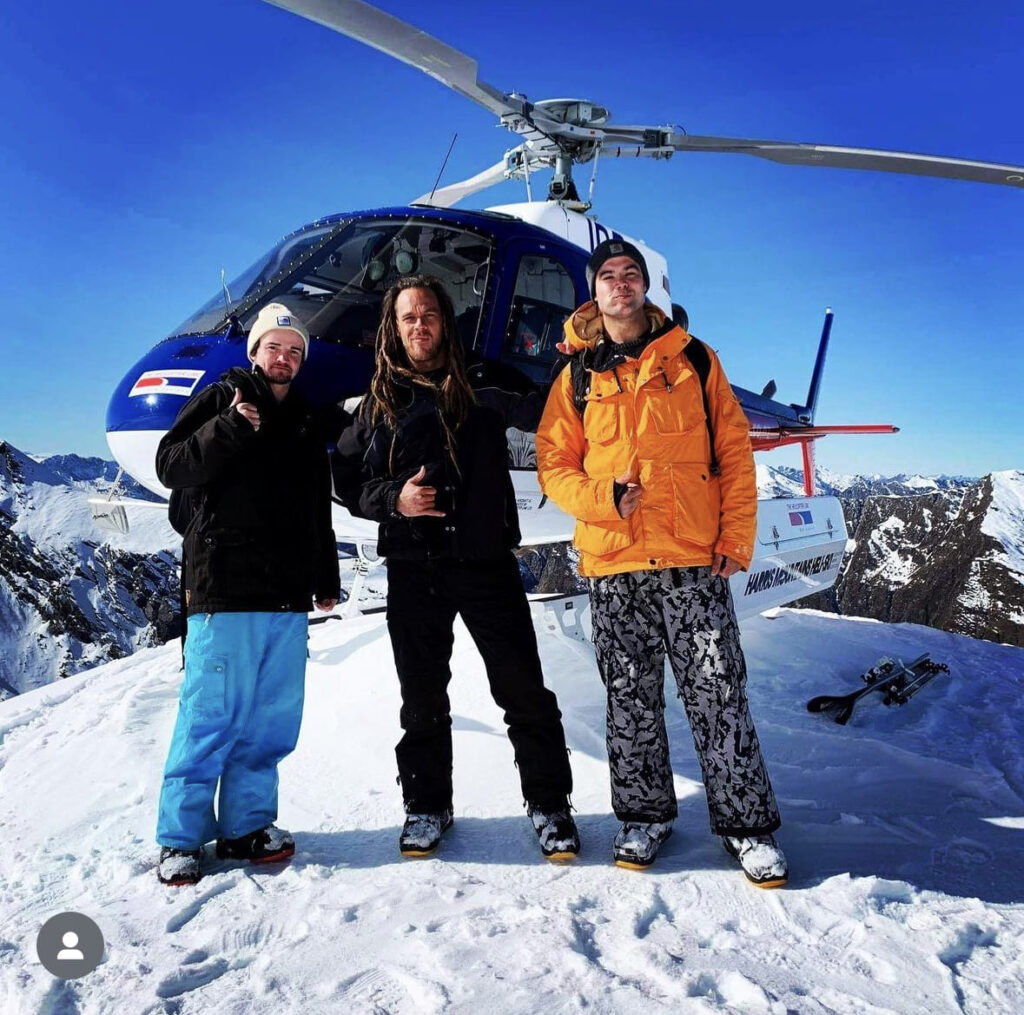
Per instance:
(69,596)
(951,558)
(786,481)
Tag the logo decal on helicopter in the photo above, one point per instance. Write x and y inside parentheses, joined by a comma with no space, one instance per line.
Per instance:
(166,382)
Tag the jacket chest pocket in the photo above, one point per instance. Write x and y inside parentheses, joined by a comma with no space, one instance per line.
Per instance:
(601,420)
(672,407)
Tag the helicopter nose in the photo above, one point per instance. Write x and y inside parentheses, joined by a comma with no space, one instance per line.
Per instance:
(149,397)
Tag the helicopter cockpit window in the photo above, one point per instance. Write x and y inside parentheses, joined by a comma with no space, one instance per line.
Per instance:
(339,295)
(544,297)
(232,295)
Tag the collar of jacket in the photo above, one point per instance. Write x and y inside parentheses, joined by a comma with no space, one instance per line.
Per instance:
(585,329)
(585,326)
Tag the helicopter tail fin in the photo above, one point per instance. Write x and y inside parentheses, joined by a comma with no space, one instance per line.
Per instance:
(807,415)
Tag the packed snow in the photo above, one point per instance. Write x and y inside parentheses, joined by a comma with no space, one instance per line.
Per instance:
(904,830)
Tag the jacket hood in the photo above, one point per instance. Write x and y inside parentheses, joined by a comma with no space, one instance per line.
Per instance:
(585,326)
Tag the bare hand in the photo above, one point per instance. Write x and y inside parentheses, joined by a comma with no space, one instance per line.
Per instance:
(723,566)
(246,410)
(416,500)
(563,347)
(326,605)
(631,498)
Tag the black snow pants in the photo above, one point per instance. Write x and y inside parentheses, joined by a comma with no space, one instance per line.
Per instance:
(423,600)
(637,617)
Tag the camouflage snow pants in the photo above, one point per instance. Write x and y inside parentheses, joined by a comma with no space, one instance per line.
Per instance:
(637,617)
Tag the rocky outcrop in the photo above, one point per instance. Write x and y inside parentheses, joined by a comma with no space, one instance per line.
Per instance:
(948,558)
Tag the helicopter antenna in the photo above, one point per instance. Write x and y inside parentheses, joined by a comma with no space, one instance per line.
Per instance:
(227,292)
(441,170)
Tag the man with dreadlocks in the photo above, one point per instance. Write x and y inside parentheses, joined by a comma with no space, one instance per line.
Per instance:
(426,457)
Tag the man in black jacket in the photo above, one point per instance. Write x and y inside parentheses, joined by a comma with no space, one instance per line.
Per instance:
(427,458)
(258,550)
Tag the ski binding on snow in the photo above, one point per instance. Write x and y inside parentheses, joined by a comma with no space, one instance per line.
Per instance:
(898,683)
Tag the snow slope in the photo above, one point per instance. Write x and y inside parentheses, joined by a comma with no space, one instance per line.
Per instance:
(905,832)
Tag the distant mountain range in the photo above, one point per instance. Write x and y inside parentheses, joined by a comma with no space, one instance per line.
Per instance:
(70,597)
(945,551)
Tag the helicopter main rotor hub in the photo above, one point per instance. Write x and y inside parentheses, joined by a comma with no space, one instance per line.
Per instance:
(575,112)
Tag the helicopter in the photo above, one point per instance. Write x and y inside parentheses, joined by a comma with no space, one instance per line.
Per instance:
(515,272)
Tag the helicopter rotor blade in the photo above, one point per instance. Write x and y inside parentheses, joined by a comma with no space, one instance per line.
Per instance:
(445,197)
(553,135)
(404,42)
(662,142)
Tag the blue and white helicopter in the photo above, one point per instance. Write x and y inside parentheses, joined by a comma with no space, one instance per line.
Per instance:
(515,272)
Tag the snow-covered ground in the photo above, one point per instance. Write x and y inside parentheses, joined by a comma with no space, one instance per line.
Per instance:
(905,832)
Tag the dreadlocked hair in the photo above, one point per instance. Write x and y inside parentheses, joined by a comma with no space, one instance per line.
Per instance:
(388,395)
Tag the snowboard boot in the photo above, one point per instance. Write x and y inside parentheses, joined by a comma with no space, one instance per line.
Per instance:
(265,845)
(179,866)
(761,859)
(421,833)
(636,844)
(556,830)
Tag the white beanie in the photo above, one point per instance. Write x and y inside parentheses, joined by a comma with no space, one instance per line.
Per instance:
(272,317)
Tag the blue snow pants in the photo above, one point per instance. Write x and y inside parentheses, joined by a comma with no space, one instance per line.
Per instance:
(239,711)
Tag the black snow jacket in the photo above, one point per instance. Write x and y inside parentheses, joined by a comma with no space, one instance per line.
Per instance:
(260,536)
(481,521)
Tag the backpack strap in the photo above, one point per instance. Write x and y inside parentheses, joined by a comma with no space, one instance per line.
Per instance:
(579,376)
(697,353)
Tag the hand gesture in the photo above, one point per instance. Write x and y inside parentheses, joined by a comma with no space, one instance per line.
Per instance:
(631,498)
(246,410)
(326,605)
(415,499)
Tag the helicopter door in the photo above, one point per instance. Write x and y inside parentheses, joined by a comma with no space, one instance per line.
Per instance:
(542,298)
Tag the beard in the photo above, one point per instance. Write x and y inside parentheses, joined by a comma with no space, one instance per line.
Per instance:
(279,375)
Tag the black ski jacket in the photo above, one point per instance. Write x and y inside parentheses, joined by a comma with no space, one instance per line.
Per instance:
(259,538)
(373,462)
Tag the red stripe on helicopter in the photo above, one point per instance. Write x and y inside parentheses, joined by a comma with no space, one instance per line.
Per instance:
(166,382)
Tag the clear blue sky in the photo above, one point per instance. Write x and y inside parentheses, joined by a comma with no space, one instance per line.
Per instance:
(146,146)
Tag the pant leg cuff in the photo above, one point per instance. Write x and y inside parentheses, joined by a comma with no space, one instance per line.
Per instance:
(646,819)
(745,832)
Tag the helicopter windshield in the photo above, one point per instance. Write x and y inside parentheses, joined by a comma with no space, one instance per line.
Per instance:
(213,315)
(335,276)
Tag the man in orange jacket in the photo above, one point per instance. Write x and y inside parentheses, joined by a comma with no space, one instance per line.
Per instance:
(663,520)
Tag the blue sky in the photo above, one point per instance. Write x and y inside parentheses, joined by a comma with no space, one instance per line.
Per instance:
(150,146)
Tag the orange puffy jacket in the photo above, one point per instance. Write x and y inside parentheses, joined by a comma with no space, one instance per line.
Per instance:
(645,419)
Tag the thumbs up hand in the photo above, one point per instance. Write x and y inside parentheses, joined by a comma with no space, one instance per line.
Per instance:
(415,499)
(246,410)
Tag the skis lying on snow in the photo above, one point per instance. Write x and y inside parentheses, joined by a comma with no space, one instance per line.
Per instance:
(897,682)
